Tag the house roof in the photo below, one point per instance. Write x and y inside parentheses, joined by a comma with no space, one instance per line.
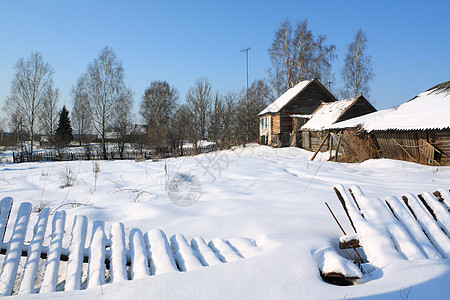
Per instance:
(328,113)
(284,99)
(427,111)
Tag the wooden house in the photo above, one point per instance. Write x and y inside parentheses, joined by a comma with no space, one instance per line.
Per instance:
(277,119)
(417,131)
(311,134)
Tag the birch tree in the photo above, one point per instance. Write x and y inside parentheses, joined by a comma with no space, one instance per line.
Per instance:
(33,77)
(123,119)
(198,99)
(297,54)
(49,115)
(357,71)
(104,86)
(81,113)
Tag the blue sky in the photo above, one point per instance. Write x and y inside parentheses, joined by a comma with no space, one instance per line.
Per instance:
(180,41)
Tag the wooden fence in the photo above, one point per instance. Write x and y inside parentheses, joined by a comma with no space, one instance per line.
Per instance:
(415,227)
(44,264)
(98,155)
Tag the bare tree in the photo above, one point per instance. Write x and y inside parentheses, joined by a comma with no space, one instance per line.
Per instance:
(215,126)
(357,71)
(157,108)
(248,109)
(179,129)
(198,99)
(50,113)
(81,113)
(105,86)
(297,54)
(229,118)
(32,79)
(123,119)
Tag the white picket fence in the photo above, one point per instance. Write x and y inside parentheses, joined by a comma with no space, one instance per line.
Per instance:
(36,267)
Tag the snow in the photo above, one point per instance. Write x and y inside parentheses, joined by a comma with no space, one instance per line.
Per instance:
(75,264)
(284,99)
(14,251)
(327,114)
(429,110)
(255,229)
(329,261)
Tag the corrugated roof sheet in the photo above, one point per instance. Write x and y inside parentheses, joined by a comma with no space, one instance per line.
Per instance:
(284,99)
(429,110)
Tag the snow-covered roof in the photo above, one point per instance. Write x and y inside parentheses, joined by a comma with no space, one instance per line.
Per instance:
(429,110)
(284,99)
(301,116)
(327,114)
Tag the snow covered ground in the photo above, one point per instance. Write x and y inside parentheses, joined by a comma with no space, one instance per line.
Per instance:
(274,197)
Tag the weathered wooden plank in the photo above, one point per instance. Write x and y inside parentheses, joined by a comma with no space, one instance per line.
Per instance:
(34,254)
(14,250)
(5,210)
(118,253)
(205,254)
(138,252)
(224,250)
(183,253)
(161,254)
(411,225)
(378,215)
(438,238)
(76,256)
(437,210)
(97,267)
(54,253)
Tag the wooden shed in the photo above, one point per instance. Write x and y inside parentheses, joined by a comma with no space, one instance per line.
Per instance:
(417,131)
(311,134)
(277,121)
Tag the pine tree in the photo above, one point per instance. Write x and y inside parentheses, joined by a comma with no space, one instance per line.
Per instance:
(63,134)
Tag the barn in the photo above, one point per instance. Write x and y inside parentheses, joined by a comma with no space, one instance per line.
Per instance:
(417,130)
(311,135)
(277,119)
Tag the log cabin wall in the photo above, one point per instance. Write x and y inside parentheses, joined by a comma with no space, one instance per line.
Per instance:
(359,108)
(309,99)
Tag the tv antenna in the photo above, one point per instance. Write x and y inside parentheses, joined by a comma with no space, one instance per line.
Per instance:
(246,60)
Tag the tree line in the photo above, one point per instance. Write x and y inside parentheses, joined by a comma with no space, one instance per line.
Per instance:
(103,103)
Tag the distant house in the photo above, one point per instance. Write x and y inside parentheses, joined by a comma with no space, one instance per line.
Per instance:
(311,134)
(418,130)
(277,119)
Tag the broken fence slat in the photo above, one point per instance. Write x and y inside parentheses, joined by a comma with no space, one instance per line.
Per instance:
(54,253)
(438,238)
(5,210)
(14,251)
(76,256)
(445,195)
(411,225)
(337,189)
(377,244)
(378,214)
(34,254)
(440,212)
